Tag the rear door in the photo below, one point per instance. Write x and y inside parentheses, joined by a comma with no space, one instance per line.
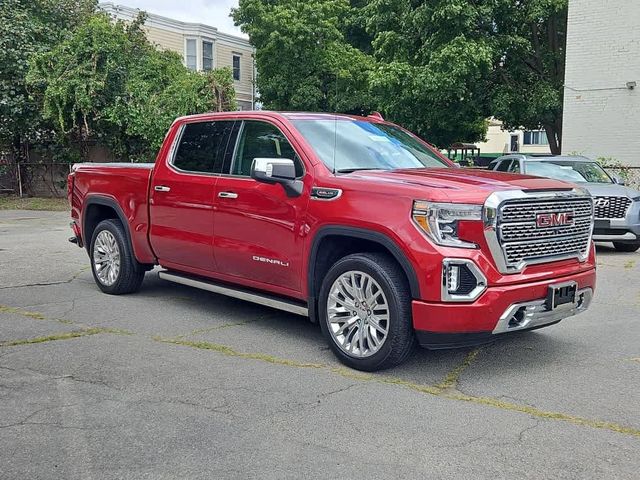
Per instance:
(259,231)
(182,196)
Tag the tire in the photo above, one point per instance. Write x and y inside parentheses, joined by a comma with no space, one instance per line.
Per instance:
(109,246)
(626,247)
(389,278)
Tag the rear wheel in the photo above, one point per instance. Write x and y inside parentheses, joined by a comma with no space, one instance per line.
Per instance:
(365,311)
(115,269)
(626,247)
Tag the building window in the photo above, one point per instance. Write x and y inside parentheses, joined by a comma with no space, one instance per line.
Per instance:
(207,56)
(236,67)
(191,56)
(535,137)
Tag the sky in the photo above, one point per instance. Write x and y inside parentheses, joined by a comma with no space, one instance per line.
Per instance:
(208,12)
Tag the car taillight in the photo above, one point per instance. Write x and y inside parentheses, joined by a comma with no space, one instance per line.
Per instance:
(70,181)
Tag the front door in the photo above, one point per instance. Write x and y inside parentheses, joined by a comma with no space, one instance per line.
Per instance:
(182,197)
(258,229)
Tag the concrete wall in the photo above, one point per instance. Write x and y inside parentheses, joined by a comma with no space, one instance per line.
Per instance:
(601,115)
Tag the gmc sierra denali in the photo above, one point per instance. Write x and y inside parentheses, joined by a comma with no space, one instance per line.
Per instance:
(351,221)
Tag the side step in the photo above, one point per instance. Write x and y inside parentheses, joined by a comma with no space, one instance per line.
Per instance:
(272,301)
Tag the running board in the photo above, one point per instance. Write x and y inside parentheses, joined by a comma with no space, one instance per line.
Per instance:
(262,299)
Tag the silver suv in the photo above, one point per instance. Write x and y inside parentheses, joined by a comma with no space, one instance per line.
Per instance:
(617,208)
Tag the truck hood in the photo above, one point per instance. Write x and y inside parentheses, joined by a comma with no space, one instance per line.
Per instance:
(460,185)
(610,190)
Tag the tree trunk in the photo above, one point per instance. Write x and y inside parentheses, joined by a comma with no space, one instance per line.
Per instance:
(554,136)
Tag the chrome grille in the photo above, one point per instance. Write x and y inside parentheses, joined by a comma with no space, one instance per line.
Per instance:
(611,207)
(521,240)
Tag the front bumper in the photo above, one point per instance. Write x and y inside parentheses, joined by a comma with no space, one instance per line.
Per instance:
(448,325)
(623,230)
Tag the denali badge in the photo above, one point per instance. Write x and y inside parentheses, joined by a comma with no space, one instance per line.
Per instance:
(270,260)
(561,219)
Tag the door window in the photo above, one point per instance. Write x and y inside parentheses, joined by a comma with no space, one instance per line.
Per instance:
(504,166)
(262,140)
(515,167)
(203,146)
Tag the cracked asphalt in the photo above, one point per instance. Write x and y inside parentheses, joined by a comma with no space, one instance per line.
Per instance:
(173,382)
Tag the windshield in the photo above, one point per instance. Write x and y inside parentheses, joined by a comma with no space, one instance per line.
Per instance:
(360,145)
(571,171)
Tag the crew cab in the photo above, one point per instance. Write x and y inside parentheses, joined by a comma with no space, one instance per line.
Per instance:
(351,221)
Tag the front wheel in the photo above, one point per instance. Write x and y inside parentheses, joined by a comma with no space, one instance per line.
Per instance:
(115,269)
(626,247)
(365,311)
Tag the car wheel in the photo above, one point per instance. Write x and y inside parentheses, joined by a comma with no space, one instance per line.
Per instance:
(364,309)
(115,269)
(626,247)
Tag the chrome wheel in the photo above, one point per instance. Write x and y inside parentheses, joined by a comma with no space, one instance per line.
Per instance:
(106,258)
(358,314)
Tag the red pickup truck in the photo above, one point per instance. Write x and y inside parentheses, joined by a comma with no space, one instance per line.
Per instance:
(351,221)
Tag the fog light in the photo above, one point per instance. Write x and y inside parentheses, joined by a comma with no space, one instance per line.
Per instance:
(453,278)
(462,280)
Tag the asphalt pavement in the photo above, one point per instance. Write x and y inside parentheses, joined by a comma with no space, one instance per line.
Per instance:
(174,382)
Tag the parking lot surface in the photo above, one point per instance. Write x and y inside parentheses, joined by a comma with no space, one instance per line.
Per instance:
(174,382)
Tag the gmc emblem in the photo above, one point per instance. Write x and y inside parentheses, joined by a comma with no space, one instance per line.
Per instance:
(561,219)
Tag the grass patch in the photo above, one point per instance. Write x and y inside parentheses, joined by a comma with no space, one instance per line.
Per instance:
(34,203)
(55,336)
(19,311)
(445,389)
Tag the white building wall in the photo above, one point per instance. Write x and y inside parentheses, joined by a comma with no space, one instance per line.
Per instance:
(601,114)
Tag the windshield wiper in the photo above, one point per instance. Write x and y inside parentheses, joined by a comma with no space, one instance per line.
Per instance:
(351,170)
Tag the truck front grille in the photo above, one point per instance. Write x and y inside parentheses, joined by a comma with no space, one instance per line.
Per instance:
(539,230)
(611,207)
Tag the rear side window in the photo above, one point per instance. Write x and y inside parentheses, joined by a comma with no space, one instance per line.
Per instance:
(202,146)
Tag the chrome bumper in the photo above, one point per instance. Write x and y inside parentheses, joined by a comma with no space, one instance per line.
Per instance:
(526,315)
(629,236)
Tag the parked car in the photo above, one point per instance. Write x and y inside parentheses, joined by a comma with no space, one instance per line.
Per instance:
(617,207)
(351,221)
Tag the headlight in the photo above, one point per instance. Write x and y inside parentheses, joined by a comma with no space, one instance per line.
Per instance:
(636,199)
(440,221)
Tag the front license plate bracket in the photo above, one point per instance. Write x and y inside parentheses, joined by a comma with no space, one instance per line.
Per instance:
(561,294)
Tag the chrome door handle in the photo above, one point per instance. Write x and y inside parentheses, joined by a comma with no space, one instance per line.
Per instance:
(161,188)
(227,195)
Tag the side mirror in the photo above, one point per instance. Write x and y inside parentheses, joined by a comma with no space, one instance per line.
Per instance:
(617,179)
(277,170)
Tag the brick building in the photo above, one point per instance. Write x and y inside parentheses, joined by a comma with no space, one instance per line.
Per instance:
(602,80)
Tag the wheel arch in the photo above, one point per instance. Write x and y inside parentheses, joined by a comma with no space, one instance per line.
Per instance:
(98,208)
(320,261)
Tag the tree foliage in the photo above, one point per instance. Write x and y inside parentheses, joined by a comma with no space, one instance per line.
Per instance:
(29,27)
(303,58)
(106,82)
(439,67)
(529,75)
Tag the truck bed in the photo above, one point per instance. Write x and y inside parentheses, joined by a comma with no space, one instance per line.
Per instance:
(123,184)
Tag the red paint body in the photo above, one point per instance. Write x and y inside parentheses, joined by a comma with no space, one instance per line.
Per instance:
(190,229)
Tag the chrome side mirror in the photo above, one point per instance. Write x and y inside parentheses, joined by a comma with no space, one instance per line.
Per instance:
(277,170)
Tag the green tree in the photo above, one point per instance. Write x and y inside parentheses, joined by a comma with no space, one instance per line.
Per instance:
(439,67)
(304,60)
(107,83)
(28,27)
(529,66)
(434,61)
